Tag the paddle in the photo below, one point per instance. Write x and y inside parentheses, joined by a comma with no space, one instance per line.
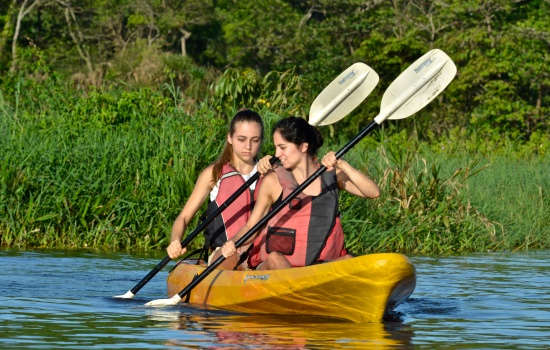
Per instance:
(411,91)
(340,97)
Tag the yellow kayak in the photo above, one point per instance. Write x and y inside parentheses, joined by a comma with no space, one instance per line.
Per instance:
(360,289)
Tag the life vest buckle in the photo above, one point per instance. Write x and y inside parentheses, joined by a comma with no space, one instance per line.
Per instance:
(295,204)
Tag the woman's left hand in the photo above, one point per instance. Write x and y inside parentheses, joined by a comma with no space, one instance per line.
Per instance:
(330,161)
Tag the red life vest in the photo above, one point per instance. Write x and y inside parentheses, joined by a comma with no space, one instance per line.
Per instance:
(234,217)
(305,231)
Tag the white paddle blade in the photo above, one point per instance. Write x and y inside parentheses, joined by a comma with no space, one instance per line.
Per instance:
(343,94)
(165,302)
(417,86)
(127,295)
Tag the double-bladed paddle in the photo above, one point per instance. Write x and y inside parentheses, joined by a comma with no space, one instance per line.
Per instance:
(339,98)
(413,89)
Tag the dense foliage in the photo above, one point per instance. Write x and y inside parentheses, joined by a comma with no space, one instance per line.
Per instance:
(501,48)
(108,109)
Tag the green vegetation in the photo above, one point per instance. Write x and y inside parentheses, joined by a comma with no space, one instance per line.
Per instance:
(108,112)
(445,204)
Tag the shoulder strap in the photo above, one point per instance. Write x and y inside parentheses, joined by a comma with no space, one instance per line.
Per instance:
(329,181)
(229,174)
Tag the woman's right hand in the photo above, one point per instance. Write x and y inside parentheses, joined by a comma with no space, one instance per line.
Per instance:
(175,249)
(264,165)
(228,249)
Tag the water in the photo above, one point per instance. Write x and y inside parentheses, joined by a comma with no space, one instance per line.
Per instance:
(63,300)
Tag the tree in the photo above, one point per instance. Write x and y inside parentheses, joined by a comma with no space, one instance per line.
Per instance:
(76,34)
(26,7)
(7,28)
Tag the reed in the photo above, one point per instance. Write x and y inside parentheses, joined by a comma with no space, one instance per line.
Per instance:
(420,211)
(109,176)
(107,170)
(435,203)
(515,192)
(111,169)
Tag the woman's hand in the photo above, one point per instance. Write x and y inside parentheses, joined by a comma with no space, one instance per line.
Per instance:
(331,162)
(175,249)
(264,165)
(228,249)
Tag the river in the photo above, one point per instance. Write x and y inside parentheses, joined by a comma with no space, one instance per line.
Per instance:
(58,299)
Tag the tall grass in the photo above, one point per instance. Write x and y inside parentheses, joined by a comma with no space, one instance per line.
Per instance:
(436,203)
(111,169)
(516,193)
(420,211)
(106,170)
(104,177)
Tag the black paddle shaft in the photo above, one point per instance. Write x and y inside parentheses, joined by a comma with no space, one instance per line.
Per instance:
(277,208)
(201,227)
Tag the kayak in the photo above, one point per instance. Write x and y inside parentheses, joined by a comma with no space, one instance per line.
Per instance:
(360,289)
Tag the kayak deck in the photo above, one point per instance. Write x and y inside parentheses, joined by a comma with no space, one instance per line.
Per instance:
(359,289)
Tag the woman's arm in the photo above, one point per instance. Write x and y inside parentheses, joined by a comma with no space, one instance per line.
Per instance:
(202,188)
(351,179)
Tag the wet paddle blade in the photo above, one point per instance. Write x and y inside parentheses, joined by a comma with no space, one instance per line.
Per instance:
(343,94)
(127,295)
(165,302)
(417,86)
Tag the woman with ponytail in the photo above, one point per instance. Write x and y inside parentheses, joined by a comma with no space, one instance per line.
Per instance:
(235,165)
(308,229)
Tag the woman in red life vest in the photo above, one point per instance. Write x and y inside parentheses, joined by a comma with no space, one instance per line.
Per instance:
(236,164)
(308,229)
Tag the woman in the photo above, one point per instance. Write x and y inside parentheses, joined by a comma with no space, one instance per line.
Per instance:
(235,165)
(308,230)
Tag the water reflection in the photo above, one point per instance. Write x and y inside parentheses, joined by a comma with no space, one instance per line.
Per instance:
(261,331)
(63,300)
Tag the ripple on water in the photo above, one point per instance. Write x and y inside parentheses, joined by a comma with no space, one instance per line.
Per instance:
(63,300)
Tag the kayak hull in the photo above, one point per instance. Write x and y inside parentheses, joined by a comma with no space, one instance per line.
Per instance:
(360,289)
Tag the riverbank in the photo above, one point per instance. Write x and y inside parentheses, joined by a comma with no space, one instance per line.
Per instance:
(112,171)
